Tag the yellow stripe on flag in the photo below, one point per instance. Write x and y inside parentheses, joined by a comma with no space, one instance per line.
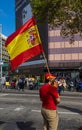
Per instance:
(23,42)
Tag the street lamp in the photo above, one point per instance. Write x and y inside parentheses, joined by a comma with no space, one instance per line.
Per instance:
(1,63)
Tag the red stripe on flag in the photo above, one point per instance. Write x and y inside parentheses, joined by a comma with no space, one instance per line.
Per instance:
(26,55)
(22,29)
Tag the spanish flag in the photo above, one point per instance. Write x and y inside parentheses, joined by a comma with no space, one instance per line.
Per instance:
(24,44)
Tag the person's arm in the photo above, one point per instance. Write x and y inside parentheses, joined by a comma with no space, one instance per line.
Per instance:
(55,95)
(58,100)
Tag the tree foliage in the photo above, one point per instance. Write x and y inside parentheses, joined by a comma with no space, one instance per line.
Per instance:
(64,13)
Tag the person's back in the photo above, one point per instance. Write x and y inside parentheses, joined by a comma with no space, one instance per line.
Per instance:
(21,83)
(13,84)
(50,98)
(3,80)
(48,95)
(27,82)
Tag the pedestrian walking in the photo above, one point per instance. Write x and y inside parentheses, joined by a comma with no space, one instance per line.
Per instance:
(3,80)
(27,82)
(61,85)
(50,98)
(21,83)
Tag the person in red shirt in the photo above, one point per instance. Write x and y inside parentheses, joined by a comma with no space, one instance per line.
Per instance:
(50,98)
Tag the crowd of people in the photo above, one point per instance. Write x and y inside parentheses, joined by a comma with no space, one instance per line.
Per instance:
(20,82)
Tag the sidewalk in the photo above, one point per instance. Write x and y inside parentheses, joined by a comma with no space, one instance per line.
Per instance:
(68,93)
(26,91)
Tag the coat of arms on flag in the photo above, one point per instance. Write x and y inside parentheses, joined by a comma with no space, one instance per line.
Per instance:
(33,37)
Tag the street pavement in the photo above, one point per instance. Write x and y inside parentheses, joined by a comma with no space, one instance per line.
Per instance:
(20,110)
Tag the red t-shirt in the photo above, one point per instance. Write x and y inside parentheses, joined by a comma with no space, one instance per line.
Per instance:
(48,95)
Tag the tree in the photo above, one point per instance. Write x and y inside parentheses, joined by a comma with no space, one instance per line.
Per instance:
(64,13)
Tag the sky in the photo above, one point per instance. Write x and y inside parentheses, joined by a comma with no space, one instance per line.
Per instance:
(7,16)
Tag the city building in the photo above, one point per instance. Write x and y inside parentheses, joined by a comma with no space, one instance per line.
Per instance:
(4,57)
(29,68)
(63,58)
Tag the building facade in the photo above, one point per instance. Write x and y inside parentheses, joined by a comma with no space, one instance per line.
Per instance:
(4,55)
(22,9)
(63,58)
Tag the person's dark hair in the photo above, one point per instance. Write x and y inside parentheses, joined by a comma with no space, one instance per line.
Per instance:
(52,81)
(46,80)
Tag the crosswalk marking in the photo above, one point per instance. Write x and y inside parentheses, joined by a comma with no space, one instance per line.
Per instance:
(3,94)
(9,94)
(38,111)
(1,108)
(19,108)
(69,113)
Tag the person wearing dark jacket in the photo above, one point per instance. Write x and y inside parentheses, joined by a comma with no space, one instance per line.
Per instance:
(21,83)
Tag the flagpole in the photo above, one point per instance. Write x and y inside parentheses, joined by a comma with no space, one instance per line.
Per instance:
(46,62)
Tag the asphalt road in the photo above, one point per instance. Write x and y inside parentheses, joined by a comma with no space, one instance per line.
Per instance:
(21,111)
